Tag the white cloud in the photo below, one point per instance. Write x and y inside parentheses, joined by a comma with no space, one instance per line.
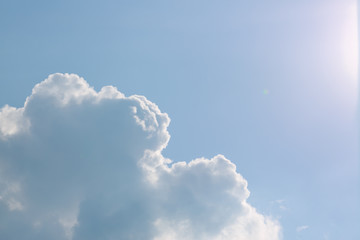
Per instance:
(12,121)
(80,164)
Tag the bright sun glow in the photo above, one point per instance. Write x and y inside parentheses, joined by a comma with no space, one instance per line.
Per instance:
(349,42)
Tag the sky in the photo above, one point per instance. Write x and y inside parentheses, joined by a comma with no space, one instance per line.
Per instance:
(263,102)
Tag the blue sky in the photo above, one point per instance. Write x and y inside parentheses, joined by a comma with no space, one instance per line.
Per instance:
(271,85)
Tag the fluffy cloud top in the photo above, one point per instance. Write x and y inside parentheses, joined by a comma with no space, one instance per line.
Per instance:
(79,164)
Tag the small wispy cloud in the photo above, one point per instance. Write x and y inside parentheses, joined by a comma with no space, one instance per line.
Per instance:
(280,204)
(302,228)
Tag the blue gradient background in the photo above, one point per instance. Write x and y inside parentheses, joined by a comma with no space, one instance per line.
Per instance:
(208,65)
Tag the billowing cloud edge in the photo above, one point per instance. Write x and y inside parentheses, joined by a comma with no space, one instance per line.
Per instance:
(66,125)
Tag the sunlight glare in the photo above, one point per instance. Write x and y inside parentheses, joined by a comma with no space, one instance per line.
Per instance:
(349,42)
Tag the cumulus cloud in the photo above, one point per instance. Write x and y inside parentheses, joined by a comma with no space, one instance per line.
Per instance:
(80,164)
